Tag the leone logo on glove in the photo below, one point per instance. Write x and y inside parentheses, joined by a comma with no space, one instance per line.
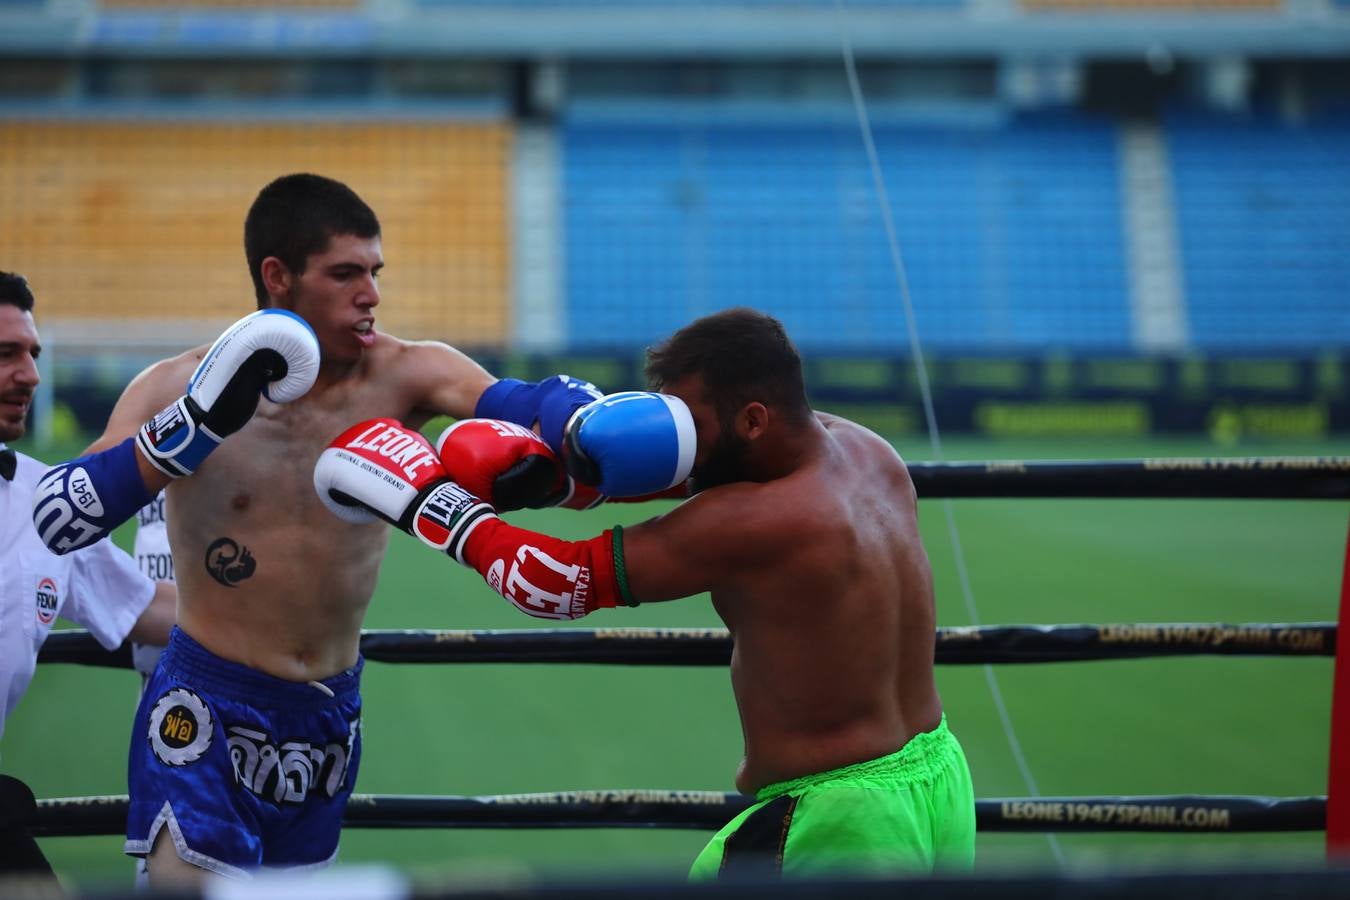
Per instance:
(511,429)
(168,429)
(392,442)
(540,585)
(440,520)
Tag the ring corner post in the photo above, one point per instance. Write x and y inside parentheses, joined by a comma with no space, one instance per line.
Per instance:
(1338,764)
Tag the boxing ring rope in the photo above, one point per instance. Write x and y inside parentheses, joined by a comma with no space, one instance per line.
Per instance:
(710,810)
(62,817)
(1252,478)
(712,646)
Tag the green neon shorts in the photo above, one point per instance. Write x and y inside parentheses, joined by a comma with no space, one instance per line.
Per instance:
(910,812)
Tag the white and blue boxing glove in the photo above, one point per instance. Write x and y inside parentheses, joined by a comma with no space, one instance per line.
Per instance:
(271,353)
(631,444)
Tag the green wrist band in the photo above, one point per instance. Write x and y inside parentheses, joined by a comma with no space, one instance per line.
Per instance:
(620,571)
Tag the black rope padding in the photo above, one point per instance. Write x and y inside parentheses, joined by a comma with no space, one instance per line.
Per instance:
(1070,643)
(712,646)
(710,810)
(1266,478)
(1307,883)
(1318,884)
(1178,813)
(706,810)
(76,645)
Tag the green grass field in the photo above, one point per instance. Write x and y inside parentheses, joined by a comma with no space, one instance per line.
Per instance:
(1203,725)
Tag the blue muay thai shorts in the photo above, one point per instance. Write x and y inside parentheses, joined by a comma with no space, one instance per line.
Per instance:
(245,770)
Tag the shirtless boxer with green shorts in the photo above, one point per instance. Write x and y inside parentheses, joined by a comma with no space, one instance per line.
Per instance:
(803,526)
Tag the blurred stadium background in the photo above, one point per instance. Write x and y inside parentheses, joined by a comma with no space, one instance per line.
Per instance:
(1125,226)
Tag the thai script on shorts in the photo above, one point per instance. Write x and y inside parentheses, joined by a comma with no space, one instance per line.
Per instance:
(286,773)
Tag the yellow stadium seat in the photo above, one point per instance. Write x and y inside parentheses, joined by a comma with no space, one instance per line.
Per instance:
(144,221)
(228,4)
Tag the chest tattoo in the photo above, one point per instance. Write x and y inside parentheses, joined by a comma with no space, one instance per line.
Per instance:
(229,562)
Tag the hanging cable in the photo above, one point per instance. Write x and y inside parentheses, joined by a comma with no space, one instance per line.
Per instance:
(926,393)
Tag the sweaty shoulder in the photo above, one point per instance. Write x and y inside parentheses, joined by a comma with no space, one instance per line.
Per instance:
(868,456)
(390,362)
(749,522)
(437,378)
(396,357)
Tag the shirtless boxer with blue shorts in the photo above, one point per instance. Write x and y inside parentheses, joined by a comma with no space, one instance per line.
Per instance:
(247,740)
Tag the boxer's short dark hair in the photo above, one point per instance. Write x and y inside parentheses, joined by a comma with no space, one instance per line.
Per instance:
(295,217)
(743,356)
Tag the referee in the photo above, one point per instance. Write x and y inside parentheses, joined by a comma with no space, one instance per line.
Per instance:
(100,588)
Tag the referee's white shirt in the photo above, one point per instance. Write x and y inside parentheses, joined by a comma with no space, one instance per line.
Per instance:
(98,587)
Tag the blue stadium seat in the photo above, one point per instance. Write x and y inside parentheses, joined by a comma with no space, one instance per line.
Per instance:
(1010,233)
(1264,220)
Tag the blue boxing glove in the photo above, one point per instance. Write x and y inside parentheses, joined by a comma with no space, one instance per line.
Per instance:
(550,402)
(631,444)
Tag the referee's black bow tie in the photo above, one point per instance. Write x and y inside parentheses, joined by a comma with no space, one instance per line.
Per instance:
(8,463)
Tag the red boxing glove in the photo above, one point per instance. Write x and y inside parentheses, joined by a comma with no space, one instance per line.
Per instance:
(580,496)
(380,467)
(511,467)
(383,468)
(506,464)
(549,578)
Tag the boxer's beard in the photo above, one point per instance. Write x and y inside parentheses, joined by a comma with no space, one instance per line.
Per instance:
(724,465)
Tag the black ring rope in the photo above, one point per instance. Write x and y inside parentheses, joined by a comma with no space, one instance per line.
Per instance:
(1269,478)
(712,646)
(1263,478)
(710,810)
(1320,883)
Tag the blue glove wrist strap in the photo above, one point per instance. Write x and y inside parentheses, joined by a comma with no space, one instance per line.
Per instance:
(79,502)
(550,402)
